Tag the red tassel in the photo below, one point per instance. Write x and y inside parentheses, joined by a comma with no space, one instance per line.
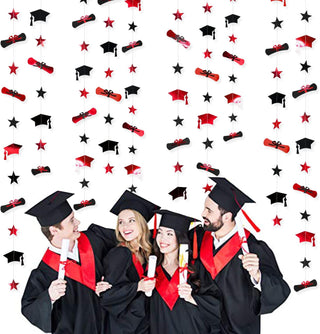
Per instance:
(257,229)
(195,244)
(154,226)
(313,242)
(186,99)
(198,123)
(5,155)
(139,7)
(284,3)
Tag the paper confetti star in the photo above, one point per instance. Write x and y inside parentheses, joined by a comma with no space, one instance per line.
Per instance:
(178,15)
(305,167)
(276,124)
(207,188)
(276,221)
(84,93)
(109,168)
(13,285)
(13,68)
(108,72)
(109,23)
(132,68)
(305,117)
(41,145)
(207,8)
(13,230)
(13,15)
(84,46)
(232,38)
(207,54)
(178,167)
(132,110)
(276,73)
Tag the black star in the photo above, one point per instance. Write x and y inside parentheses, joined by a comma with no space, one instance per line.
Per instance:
(132,26)
(108,119)
(232,78)
(276,170)
(305,16)
(207,97)
(84,138)
(179,121)
(132,149)
(132,189)
(208,143)
(277,23)
(304,215)
(305,66)
(84,183)
(13,178)
(305,263)
(177,68)
(233,118)
(13,122)
(41,92)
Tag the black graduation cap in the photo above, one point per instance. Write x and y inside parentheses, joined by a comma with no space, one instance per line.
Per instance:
(228,196)
(178,192)
(176,221)
(14,256)
(109,47)
(53,209)
(83,70)
(131,201)
(42,119)
(109,145)
(304,143)
(278,98)
(208,31)
(278,197)
(131,90)
(232,18)
(38,15)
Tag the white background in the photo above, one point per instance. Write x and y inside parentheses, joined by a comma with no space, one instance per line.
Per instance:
(244,161)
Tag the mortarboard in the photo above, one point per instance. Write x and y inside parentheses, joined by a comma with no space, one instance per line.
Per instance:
(305,41)
(53,209)
(84,161)
(109,47)
(233,98)
(14,256)
(133,169)
(304,143)
(133,3)
(109,145)
(101,2)
(42,119)
(11,149)
(306,237)
(38,15)
(208,31)
(284,2)
(178,192)
(82,70)
(131,90)
(179,95)
(278,98)
(233,18)
(278,197)
(131,201)
(206,119)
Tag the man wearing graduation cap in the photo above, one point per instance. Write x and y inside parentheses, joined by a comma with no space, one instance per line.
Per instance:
(244,268)
(69,305)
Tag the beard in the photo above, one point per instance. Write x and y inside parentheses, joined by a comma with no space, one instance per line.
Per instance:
(213,227)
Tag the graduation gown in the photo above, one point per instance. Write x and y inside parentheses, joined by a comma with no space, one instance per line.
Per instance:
(126,308)
(242,303)
(78,311)
(171,314)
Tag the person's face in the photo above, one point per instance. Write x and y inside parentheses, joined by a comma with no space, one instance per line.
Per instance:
(212,216)
(128,226)
(166,240)
(69,228)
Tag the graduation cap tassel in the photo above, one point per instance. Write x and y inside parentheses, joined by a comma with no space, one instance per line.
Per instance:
(154,226)
(284,3)
(49,124)
(126,95)
(185,195)
(187,100)
(115,52)
(195,244)
(117,151)
(226,24)
(214,35)
(140,7)
(284,103)
(77,76)
(31,21)
(285,201)
(198,123)
(313,242)
(5,155)
(22,258)
(256,228)
(297,146)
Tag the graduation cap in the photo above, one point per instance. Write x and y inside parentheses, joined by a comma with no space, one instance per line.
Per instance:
(131,90)
(233,98)
(134,3)
(305,41)
(278,98)
(109,47)
(208,31)
(84,161)
(82,70)
(42,119)
(278,197)
(109,145)
(206,119)
(53,209)
(304,143)
(38,15)
(11,149)
(284,2)
(306,237)
(133,169)
(233,18)
(179,94)
(131,201)
(178,192)
(14,256)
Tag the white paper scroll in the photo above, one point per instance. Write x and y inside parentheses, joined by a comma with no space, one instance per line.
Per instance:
(63,257)
(183,263)
(151,270)
(243,238)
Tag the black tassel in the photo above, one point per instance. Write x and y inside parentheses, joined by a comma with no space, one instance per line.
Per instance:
(126,95)
(285,201)
(31,20)
(115,52)
(297,146)
(214,35)
(117,152)
(284,103)
(77,76)
(49,123)
(22,258)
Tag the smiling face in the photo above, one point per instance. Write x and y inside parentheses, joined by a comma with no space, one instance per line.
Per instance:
(212,216)
(128,225)
(166,240)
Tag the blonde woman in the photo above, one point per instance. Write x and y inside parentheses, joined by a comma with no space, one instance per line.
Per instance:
(125,266)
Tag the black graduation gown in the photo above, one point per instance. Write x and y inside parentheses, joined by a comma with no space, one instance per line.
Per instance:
(126,308)
(242,303)
(184,317)
(78,311)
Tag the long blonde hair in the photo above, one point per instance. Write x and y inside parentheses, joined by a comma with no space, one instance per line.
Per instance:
(143,239)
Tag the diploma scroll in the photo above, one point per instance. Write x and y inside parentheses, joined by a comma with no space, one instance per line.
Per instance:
(243,238)
(63,258)
(183,263)
(151,270)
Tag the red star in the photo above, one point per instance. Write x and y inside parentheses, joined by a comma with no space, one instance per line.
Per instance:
(84,93)
(109,169)
(41,145)
(178,167)
(13,230)
(40,41)
(132,110)
(84,46)
(207,8)
(305,117)
(13,15)
(132,68)
(232,38)
(13,68)
(276,221)
(207,54)
(108,72)
(207,188)
(276,73)
(178,15)
(276,124)
(109,23)
(13,285)
(304,167)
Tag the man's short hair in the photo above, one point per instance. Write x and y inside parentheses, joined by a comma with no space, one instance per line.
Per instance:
(46,230)
(223,211)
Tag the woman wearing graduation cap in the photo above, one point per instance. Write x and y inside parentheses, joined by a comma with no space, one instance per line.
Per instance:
(125,266)
(178,307)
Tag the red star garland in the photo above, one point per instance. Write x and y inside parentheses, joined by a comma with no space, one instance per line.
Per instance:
(207,8)
(178,167)
(207,188)
(84,93)
(232,38)
(178,15)
(305,117)
(207,54)
(13,68)
(109,168)
(109,23)
(40,41)
(132,110)
(305,167)
(41,145)
(132,68)
(276,124)
(13,15)
(276,221)
(13,285)
(84,46)
(108,72)
(276,73)
(13,230)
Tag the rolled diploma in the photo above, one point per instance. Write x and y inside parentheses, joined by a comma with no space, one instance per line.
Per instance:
(151,270)
(183,262)
(63,257)
(243,238)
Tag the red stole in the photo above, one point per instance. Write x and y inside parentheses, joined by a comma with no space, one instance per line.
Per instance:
(84,273)
(168,290)
(137,265)
(214,264)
